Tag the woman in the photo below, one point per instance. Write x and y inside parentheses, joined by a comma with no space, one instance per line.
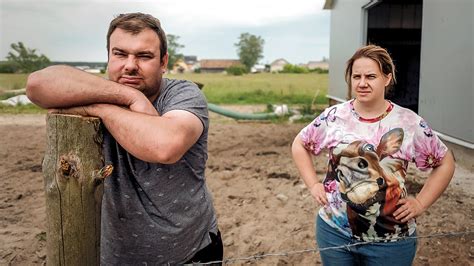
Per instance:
(370,142)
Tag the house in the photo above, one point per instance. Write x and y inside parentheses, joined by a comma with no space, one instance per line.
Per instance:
(216,65)
(257,69)
(432,45)
(190,60)
(277,65)
(180,66)
(184,65)
(324,64)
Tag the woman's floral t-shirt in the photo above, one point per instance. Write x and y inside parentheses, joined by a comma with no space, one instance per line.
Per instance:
(368,159)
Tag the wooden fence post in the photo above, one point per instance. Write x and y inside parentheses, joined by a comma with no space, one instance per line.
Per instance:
(73,170)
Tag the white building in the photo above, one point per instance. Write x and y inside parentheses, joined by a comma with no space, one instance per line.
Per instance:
(277,65)
(432,44)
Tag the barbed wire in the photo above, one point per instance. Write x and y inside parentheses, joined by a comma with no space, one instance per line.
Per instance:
(316,250)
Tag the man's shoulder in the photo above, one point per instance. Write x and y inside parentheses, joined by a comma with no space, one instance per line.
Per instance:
(180,89)
(179,83)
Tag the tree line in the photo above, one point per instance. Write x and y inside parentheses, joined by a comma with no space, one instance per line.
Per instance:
(22,59)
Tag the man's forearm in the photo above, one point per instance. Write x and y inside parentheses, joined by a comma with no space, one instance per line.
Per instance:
(148,137)
(64,86)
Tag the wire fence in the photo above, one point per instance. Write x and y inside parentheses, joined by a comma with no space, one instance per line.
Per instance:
(316,250)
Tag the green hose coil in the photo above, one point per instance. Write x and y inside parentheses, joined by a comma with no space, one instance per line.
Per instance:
(240,116)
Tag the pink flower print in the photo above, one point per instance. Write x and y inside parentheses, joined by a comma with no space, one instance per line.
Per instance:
(330,186)
(312,138)
(429,152)
(311,146)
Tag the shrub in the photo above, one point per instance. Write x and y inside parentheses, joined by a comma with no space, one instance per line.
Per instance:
(8,67)
(289,68)
(237,70)
(319,70)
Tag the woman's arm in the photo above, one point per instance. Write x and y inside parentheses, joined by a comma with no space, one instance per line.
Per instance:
(304,163)
(437,182)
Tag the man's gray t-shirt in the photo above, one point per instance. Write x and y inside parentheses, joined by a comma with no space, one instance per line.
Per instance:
(156,213)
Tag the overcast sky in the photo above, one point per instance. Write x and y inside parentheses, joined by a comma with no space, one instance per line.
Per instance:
(74,30)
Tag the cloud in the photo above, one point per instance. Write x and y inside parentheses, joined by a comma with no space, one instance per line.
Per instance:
(76,29)
(238,13)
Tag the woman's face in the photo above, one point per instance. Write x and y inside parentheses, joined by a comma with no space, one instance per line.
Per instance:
(367,81)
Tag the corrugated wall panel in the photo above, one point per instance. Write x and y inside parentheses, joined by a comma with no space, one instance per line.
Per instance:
(347,34)
(446,70)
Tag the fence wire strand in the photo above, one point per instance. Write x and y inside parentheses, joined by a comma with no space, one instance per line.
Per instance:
(316,250)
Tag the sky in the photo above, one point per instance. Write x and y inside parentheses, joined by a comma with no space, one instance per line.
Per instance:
(75,30)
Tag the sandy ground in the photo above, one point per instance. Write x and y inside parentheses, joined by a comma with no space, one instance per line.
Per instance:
(262,205)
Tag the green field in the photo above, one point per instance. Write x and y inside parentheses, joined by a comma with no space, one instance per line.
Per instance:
(261,88)
(265,88)
(12,81)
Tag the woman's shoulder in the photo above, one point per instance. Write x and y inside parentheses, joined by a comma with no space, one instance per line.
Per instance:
(338,109)
(405,114)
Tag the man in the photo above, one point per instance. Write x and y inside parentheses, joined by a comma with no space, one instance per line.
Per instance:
(156,207)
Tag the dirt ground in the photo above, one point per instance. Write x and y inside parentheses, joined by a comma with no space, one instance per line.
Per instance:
(263,207)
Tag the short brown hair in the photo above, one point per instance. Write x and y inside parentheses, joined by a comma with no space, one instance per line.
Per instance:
(379,55)
(136,23)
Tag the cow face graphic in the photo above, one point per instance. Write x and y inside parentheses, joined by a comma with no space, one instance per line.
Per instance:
(367,175)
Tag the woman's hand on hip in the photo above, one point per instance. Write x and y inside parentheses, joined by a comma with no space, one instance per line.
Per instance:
(319,194)
(408,208)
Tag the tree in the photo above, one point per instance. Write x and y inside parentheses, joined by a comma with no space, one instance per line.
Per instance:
(249,49)
(173,48)
(25,59)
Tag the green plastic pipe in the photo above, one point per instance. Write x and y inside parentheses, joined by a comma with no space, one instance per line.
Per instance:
(240,116)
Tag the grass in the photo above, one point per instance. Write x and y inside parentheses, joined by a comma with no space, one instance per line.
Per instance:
(261,88)
(21,109)
(12,81)
(264,88)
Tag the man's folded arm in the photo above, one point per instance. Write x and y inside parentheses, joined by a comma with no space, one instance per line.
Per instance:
(64,86)
(151,138)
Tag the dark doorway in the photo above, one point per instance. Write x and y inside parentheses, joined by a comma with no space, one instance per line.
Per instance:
(396,26)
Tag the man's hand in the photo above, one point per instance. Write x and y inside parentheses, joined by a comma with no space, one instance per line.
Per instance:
(88,110)
(143,105)
(408,208)
(140,106)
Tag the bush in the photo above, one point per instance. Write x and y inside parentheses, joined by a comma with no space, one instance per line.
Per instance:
(8,67)
(289,68)
(319,70)
(237,70)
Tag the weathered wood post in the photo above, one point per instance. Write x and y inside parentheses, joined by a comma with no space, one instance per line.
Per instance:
(73,170)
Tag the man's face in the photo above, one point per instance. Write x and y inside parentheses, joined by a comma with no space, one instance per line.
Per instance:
(134,61)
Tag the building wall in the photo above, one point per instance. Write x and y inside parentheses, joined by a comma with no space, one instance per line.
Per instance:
(446,92)
(446,70)
(347,34)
